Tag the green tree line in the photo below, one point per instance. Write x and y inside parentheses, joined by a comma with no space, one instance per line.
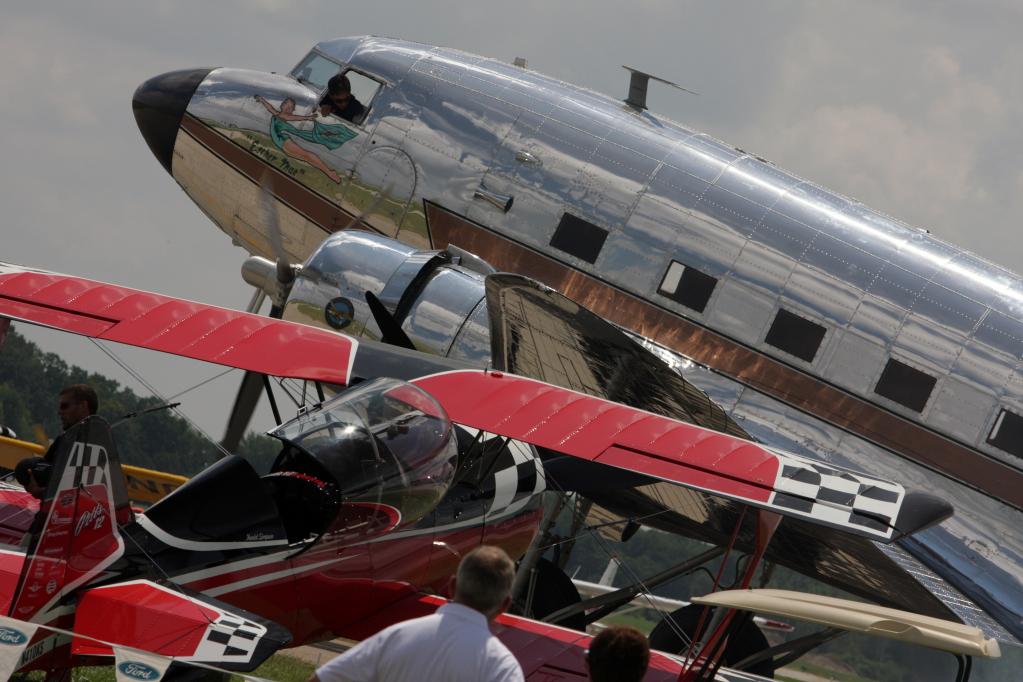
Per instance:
(31,380)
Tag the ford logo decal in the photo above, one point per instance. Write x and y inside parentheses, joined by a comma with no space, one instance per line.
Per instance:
(139,671)
(12,637)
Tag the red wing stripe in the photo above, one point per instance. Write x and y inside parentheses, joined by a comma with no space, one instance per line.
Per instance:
(668,470)
(129,306)
(604,420)
(15,300)
(51,317)
(193,330)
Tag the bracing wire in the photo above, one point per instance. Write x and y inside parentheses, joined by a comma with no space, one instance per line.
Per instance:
(152,389)
(592,531)
(665,616)
(202,383)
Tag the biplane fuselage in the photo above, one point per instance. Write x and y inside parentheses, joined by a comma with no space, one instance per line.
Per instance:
(870,337)
(377,492)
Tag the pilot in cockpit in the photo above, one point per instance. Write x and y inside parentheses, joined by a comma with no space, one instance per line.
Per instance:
(339,100)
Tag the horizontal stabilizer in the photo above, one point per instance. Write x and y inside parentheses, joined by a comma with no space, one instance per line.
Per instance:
(186,625)
(602,431)
(175,326)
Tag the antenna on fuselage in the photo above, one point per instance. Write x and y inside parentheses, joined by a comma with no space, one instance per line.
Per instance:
(638,81)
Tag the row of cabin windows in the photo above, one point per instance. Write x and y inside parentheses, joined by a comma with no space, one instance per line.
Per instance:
(790,333)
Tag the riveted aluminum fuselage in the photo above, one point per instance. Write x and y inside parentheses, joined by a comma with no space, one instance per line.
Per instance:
(446,130)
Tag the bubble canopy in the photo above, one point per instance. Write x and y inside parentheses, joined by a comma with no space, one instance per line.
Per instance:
(383,442)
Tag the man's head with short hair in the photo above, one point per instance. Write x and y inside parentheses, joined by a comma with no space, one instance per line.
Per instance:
(338,84)
(338,95)
(618,654)
(484,580)
(77,402)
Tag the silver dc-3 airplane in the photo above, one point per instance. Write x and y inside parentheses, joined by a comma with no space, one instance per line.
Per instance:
(818,324)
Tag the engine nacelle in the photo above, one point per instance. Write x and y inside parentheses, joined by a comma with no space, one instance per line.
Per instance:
(437,297)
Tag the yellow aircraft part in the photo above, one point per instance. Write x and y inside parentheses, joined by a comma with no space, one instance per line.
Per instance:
(144,485)
(13,451)
(148,486)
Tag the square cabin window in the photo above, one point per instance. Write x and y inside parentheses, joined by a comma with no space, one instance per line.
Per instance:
(1007,433)
(687,285)
(579,237)
(795,335)
(905,385)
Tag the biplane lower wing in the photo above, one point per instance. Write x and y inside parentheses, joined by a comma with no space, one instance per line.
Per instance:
(187,626)
(605,432)
(194,330)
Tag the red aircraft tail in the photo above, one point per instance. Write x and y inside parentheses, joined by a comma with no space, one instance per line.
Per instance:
(74,537)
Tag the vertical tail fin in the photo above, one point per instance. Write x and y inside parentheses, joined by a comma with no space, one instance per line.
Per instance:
(608,577)
(75,534)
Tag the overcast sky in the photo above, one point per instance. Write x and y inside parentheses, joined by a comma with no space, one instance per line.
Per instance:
(915,110)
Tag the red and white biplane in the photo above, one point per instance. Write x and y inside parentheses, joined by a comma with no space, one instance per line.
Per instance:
(379,490)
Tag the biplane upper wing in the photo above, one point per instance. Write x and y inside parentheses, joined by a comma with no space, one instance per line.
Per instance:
(605,432)
(193,330)
(529,410)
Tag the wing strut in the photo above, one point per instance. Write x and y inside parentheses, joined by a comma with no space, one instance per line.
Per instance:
(273,401)
(713,648)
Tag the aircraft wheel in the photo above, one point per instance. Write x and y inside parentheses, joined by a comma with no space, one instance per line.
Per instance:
(745,641)
(554,590)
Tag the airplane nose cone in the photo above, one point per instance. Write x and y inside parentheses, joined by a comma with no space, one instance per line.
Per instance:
(159,104)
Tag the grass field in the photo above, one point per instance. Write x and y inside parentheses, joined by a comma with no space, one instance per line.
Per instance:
(280,668)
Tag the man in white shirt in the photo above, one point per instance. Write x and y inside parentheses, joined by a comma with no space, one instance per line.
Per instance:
(452,645)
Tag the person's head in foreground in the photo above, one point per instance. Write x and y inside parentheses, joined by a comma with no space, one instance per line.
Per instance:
(618,654)
(76,402)
(484,580)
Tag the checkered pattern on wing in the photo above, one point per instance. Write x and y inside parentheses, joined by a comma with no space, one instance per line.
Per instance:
(837,496)
(229,638)
(89,464)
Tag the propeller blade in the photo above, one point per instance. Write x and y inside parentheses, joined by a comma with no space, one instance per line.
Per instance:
(390,330)
(369,209)
(241,414)
(268,209)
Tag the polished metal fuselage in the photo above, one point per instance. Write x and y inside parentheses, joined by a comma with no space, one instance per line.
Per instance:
(450,138)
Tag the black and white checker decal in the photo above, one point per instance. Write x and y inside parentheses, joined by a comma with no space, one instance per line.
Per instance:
(229,638)
(516,478)
(836,496)
(89,463)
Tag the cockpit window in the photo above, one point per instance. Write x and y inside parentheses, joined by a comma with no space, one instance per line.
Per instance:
(315,70)
(363,87)
(349,96)
(382,442)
